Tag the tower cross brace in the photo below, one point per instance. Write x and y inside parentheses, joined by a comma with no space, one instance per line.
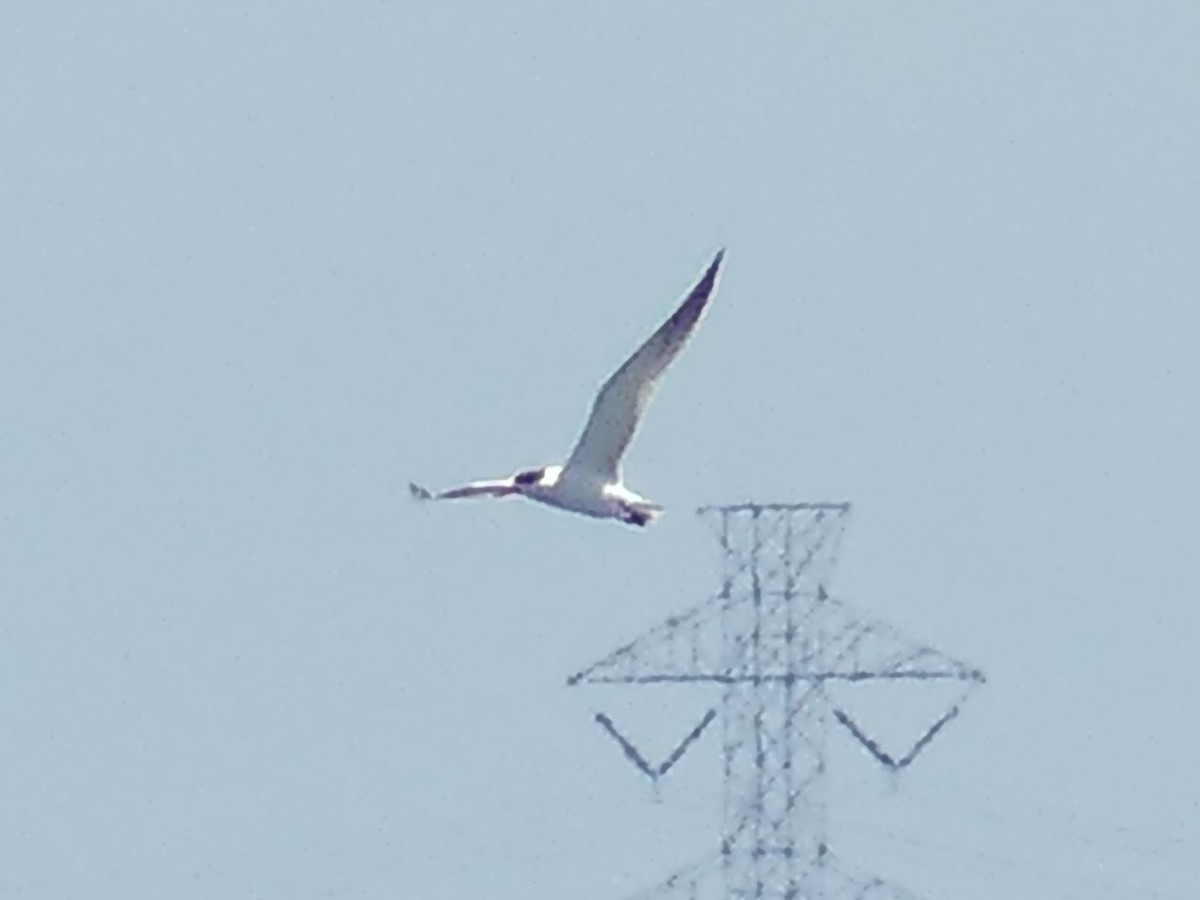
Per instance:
(776,644)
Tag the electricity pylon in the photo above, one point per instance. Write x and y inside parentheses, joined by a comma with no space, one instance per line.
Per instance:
(777,645)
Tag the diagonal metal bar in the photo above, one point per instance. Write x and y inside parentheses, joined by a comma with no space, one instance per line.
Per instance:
(775,643)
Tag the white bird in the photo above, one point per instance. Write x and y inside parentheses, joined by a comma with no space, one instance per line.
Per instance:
(590,480)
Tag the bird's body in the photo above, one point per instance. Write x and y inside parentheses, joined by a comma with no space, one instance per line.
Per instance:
(590,481)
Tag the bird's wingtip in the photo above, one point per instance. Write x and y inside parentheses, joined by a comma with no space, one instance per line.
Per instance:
(709,279)
(418,492)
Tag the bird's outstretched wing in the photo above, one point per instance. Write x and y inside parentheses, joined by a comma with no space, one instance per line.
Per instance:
(501,487)
(622,400)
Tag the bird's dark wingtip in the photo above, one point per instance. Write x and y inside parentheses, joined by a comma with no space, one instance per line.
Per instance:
(709,278)
(418,492)
(710,273)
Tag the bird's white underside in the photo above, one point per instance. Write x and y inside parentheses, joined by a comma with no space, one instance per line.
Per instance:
(590,481)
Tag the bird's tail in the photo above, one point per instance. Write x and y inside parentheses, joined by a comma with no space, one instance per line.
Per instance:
(643,513)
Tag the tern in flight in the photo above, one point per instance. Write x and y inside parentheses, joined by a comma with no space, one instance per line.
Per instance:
(590,480)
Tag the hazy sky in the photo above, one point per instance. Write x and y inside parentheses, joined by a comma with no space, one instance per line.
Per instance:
(261,263)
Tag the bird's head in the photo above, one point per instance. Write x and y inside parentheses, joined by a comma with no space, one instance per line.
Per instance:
(546,476)
(528,477)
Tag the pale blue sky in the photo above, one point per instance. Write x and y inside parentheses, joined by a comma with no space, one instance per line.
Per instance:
(262,263)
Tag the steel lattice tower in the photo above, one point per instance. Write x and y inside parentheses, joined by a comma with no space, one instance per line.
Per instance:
(776,643)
